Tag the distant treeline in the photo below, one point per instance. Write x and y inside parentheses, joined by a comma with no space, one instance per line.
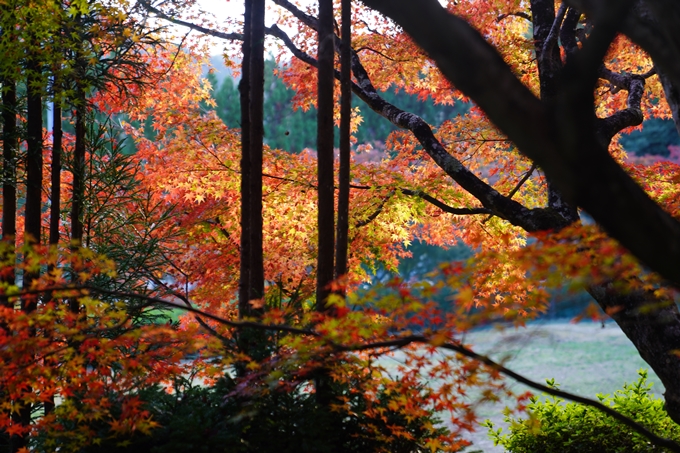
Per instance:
(294,130)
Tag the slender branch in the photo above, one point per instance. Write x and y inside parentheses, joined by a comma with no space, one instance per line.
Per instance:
(311,21)
(183,23)
(430,199)
(200,320)
(375,213)
(521,14)
(551,40)
(444,207)
(524,179)
(521,182)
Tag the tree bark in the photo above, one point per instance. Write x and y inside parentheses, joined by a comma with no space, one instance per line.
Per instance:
(9,175)
(34,162)
(342,244)
(256,145)
(244,91)
(55,173)
(251,285)
(326,185)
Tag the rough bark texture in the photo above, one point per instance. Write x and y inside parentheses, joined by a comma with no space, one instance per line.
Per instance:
(326,210)
(653,326)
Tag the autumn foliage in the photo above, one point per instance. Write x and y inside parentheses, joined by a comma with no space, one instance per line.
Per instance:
(102,332)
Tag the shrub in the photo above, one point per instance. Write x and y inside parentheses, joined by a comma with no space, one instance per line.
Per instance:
(556,427)
(211,419)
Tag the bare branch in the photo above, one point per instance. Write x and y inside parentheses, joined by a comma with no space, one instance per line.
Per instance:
(183,23)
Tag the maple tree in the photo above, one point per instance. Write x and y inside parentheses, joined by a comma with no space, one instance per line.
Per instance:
(408,189)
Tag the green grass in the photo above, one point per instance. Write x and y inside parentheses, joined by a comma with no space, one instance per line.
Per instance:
(584,358)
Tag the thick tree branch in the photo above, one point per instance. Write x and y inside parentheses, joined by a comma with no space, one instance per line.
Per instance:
(310,21)
(552,135)
(491,199)
(568,31)
(652,25)
(630,116)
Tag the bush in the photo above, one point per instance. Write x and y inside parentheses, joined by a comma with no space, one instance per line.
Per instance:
(556,427)
(197,418)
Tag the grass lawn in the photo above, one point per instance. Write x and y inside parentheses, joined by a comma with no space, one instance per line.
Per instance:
(584,359)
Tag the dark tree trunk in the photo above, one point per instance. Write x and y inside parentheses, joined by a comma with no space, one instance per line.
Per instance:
(9,174)
(55,195)
(9,200)
(244,91)
(326,210)
(251,285)
(55,174)
(34,162)
(345,119)
(546,29)
(33,206)
(256,144)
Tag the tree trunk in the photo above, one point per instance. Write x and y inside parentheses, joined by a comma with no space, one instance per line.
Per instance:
(34,162)
(55,174)
(327,433)
(33,206)
(251,87)
(9,174)
(326,183)
(244,91)
(55,196)
(345,120)
(256,144)
(9,201)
